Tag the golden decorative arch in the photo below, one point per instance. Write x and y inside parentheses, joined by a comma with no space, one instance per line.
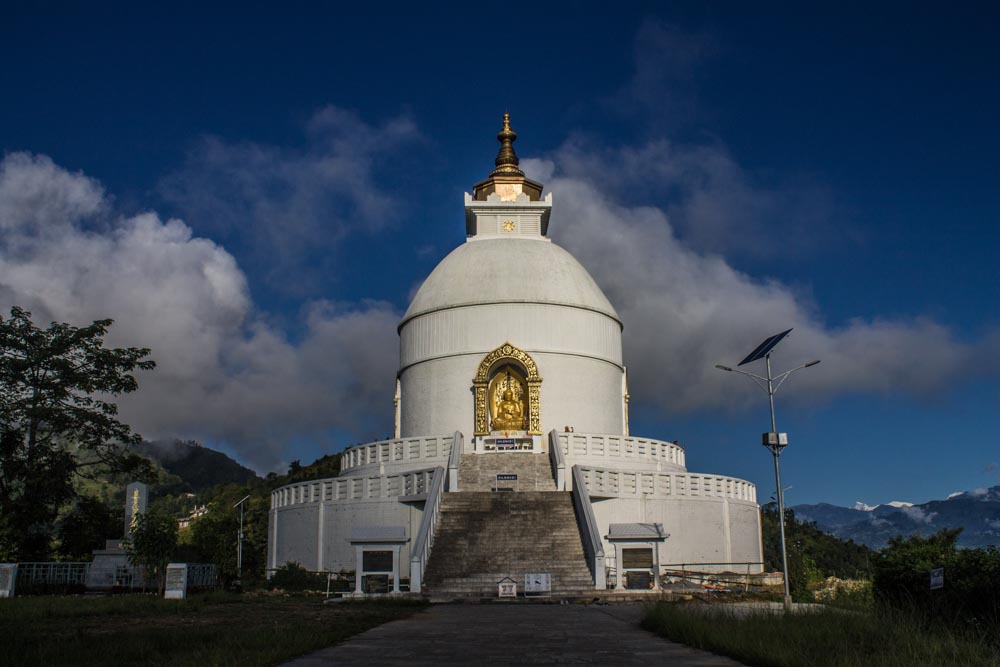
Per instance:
(496,359)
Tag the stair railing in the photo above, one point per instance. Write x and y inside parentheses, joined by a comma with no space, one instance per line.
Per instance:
(558,460)
(454,459)
(425,535)
(593,545)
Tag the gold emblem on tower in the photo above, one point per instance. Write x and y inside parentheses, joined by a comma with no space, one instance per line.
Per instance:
(509,225)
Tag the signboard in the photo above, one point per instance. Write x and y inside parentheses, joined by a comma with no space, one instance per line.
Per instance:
(176,582)
(8,578)
(637,559)
(505,442)
(507,588)
(506,477)
(539,582)
(376,561)
(937,578)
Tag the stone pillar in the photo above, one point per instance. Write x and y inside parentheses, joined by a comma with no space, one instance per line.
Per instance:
(359,559)
(619,564)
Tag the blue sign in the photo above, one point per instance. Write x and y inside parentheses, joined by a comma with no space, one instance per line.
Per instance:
(506,477)
(501,442)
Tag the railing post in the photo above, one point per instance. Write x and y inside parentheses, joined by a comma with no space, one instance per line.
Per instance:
(454,459)
(592,542)
(557,460)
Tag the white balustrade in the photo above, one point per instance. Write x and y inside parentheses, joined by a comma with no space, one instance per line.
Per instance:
(590,445)
(424,448)
(352,488)
(602,482)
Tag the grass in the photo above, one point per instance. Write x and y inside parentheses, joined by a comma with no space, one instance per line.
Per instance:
(210,629)
(826,638)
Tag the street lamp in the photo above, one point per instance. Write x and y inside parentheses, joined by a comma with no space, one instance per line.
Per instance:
(239,540)
(773,440)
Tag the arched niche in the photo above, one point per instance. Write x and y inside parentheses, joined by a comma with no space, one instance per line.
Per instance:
(492,365)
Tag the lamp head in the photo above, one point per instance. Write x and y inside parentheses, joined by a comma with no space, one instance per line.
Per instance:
(726,368)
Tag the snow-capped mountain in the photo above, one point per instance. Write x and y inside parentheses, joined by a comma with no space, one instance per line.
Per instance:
(977,512)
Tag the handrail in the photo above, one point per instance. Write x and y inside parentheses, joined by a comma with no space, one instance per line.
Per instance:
(454,460)
(425,535)
(593,546)
(558,460)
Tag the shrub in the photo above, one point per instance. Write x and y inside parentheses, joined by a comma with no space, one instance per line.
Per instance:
(294,577)
(971,593)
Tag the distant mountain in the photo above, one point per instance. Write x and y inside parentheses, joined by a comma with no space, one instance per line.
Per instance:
(199,468)
(977,512)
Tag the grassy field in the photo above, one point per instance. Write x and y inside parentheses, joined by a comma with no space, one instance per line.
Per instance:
(827,638)
(210,629)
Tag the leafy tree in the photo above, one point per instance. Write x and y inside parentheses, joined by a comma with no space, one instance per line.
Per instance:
(86,528)
(151,545)
(812,554)
(213,537)
(56,422)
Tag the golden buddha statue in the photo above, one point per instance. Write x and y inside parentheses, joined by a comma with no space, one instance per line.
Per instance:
(509,414)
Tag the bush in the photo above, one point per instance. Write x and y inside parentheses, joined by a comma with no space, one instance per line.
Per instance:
(294,577)
(971,593)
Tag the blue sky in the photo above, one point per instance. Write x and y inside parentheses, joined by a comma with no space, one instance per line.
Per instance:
(254,191)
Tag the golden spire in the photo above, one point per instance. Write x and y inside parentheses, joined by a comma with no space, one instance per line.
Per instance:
(507,180)
(506,161)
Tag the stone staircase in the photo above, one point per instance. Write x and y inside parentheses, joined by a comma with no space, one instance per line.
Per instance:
(483,535)
(478,472)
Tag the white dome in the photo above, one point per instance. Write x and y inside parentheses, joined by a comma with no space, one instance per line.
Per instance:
(508,270)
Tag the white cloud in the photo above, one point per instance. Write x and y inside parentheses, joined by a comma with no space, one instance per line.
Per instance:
(919,515)
(224,374)
(685,310)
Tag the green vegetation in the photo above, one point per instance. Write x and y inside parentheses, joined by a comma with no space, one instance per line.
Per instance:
(151,545)
(213,629)
(813,556)
(971,594)
(56,424)
(826,638)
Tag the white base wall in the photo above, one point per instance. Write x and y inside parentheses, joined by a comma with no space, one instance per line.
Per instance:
(702,530)
(316,535)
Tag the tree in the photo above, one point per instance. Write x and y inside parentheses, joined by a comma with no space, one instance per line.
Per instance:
(56,422)
(86,528)
(213,537)
(152,544)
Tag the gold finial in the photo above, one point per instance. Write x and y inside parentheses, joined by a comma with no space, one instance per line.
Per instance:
(506,161)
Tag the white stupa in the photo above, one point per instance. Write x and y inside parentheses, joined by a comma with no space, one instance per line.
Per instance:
(512,401)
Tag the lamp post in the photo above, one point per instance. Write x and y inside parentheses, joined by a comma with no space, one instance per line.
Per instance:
(239,541)
(773,440)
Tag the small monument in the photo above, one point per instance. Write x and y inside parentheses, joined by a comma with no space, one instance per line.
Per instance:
(111,567)
(136,499)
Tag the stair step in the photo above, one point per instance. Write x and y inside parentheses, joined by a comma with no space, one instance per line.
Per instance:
(483,536)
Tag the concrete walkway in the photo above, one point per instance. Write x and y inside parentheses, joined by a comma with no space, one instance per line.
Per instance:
(500,634)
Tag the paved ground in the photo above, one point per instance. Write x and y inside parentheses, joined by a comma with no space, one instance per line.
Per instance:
(499,634)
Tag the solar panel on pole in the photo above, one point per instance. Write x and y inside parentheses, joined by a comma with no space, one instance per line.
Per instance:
(764,348)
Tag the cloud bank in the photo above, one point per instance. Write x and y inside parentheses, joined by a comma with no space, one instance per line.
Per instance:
(224,374)
(686,310)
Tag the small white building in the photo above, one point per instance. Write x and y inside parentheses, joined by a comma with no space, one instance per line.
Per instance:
(510,347)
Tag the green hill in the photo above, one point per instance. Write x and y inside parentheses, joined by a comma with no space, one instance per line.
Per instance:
(198,468)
